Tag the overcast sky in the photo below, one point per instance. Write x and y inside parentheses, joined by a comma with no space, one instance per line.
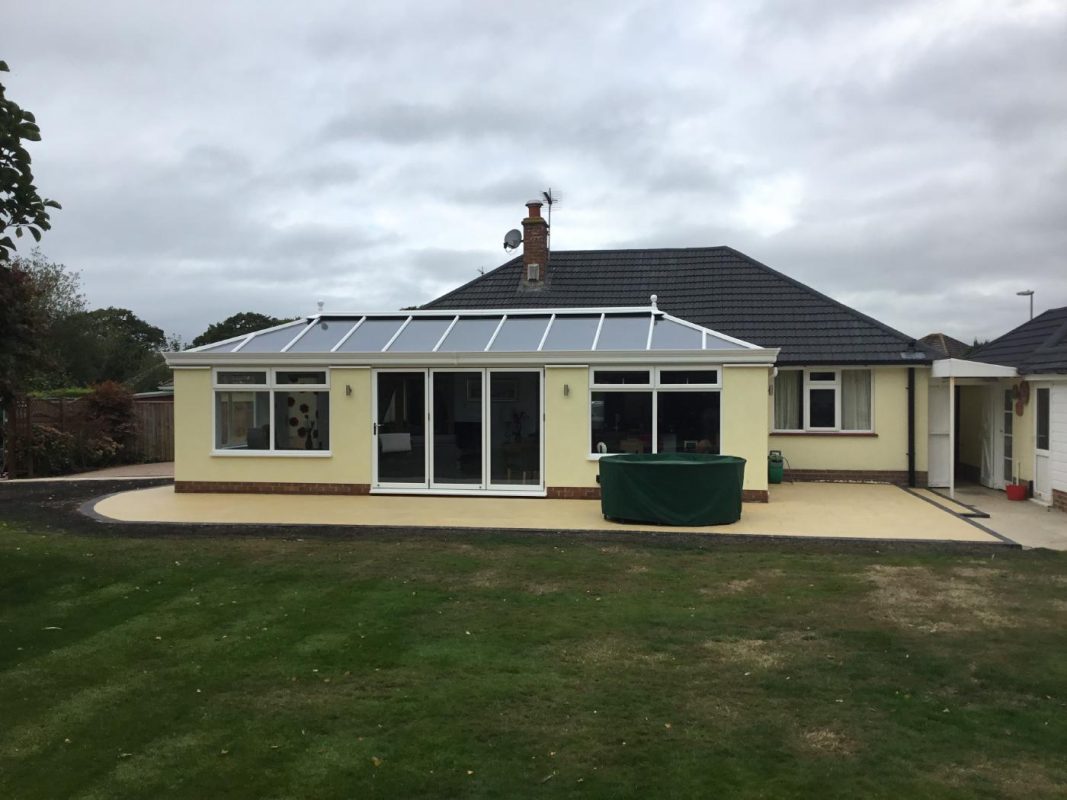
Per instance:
(907,158)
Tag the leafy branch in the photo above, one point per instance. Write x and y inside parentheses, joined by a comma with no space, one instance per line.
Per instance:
(22,209)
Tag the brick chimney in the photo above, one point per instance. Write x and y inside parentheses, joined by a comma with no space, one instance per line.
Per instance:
(534,246)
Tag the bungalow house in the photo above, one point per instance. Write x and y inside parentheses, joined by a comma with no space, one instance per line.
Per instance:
(519,381)
(1009,410)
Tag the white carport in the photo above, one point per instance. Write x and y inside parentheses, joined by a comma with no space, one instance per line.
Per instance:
(946,374)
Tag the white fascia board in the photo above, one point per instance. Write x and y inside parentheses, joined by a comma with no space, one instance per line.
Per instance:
(961,368)
(1045,377)
(761,356)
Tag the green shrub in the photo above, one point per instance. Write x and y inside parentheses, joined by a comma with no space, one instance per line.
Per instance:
(112,428)
(52,451)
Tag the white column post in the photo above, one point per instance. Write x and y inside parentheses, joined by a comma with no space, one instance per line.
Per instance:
(952,437)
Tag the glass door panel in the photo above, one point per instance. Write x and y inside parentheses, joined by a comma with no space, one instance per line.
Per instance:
(401,428)
(515,429)
(457,429)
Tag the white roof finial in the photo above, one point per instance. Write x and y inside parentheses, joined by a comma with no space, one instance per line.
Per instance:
(654,298)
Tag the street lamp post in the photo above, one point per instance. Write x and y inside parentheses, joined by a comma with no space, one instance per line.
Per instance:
(1028,293)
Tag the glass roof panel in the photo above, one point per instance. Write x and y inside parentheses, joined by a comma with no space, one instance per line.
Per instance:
(624,333)
(273,341)
(225,347)
(670,335)
(421,334)
(472,332)
(323,336)
(469,335)
(372,335)
(520,335)
(572,333)
(715,343)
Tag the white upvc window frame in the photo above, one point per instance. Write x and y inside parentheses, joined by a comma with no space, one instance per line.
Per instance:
(271,385)
(811,385)
(681,387)
(593,384)
(837,385)
(655,387)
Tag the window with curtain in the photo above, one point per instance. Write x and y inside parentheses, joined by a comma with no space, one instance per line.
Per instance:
(823,400)
(788,400)
(855,400)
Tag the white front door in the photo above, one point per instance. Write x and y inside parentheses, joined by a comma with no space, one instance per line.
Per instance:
(1042,443)
(1058,437)
(939,455)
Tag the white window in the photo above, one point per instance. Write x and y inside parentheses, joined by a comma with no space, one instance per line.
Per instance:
(661,410)
(272,411)
(1041,439)
(823,400)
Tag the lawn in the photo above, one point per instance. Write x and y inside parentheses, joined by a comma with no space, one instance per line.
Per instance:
(489,666)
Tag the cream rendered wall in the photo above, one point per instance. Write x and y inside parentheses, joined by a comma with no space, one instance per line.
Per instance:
(567,461)
(1023,435)
(887,450)
(745,393)
(350,436)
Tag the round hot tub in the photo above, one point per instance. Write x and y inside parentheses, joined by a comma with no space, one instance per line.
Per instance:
(672,488)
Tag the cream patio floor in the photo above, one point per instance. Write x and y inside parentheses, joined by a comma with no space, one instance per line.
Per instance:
(862,511)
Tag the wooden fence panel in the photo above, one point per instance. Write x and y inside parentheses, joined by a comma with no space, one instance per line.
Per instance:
(155,430)
(153,425)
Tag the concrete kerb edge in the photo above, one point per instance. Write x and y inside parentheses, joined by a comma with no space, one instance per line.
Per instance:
(963,517)
(976,512)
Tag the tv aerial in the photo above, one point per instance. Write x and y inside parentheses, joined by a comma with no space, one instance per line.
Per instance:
(551,198)
(512,239)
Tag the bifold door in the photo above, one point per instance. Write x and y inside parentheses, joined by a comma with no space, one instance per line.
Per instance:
(458,430)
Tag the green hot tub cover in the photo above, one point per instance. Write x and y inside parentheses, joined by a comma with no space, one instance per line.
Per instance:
(672,488)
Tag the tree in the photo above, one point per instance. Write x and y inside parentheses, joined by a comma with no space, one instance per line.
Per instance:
(56,301)
(17,326)
(114,344)
(22,209)
(236,325)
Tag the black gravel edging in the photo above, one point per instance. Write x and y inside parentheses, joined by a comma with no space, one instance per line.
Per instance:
(66,507)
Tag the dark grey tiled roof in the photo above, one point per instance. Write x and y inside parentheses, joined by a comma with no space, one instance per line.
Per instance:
(716,287)
(1038,346)
(945,345)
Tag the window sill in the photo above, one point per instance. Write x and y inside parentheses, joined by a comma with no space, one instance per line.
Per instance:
(271,453)
(860,434)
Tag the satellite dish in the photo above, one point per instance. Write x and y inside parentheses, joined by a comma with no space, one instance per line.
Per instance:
(512,239)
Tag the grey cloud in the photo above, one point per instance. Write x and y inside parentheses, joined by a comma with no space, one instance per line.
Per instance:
(373,156)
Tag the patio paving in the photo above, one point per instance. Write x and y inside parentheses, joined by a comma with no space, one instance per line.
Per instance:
(1029,523)
(163,469)
(849,511)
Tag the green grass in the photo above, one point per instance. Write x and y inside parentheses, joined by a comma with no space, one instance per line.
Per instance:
(501,667)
